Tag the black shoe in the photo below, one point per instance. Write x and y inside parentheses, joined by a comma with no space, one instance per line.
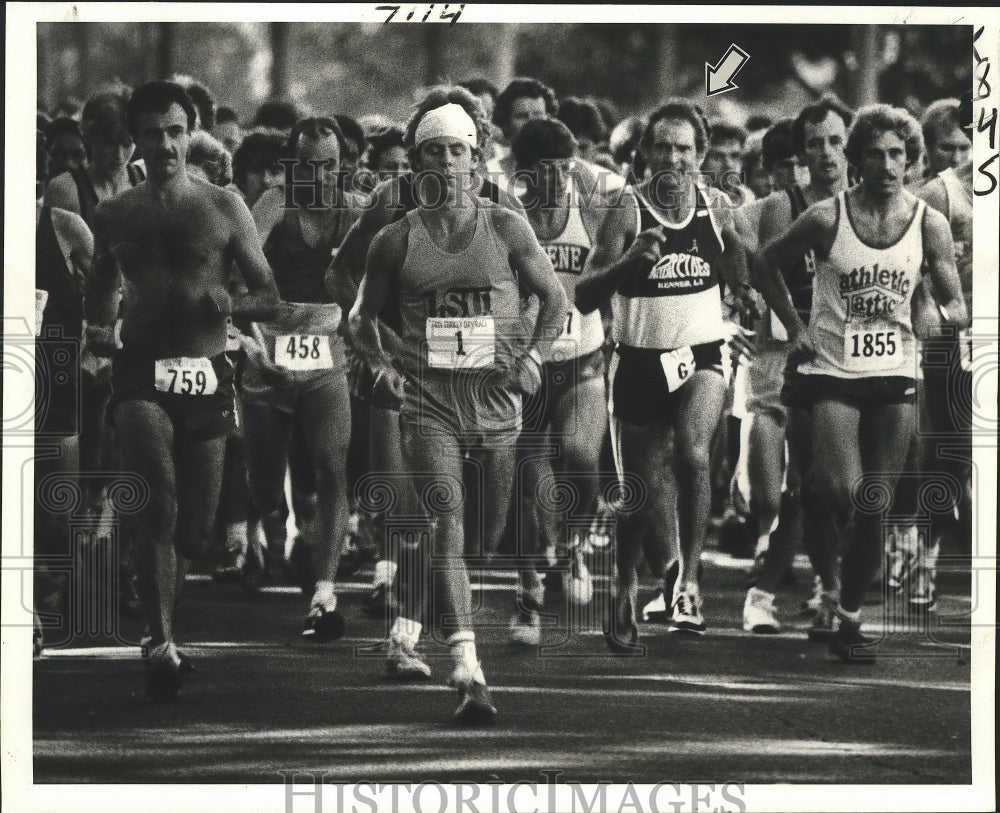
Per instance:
(621,633)
(165,677)
(381,603)
(476,706)
(850,645)
(323,626)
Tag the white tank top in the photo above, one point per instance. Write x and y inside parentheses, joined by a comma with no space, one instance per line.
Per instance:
(860,319)
(568,252)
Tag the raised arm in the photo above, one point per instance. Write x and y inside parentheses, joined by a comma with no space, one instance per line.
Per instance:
(608,263)
(260,302)
(939,258)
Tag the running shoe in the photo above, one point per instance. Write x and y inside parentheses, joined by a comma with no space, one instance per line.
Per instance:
(476,706)
(758,613)
(656,610)
(811,605)
(621,632)
(381,603)
(231,568)
(323,624)
(526,623)
(687,616)
(850,645)
(402,661)
(165,673)
(824,623)
(579,585)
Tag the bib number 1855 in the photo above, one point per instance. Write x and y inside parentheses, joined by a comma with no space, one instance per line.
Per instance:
(868,345)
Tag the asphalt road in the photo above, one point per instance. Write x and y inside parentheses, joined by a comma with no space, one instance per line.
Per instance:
(728,706)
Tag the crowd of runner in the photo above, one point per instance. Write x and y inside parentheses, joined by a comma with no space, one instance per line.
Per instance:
(424,339)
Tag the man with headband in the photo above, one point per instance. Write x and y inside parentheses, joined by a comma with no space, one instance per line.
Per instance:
(452,267)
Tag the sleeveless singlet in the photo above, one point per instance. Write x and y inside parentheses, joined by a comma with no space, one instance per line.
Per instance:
(87,195)
(678,301)
(461,309)
(799,276)
(64,304)
(568,253)
(960,220)
(860,320)
(304,339)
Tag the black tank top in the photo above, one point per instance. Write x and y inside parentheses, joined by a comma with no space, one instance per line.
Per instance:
(64,307)
(87,195)
(299,269)
(799,275)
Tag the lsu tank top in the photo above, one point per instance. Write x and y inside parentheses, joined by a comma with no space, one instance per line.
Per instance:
(860,319)
(677,302)
(568,252)
(461,309)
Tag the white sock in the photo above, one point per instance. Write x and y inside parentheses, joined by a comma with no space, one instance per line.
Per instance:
(385,572)
(463,652)
(406,631)
(323,596)
(236,537)
(756,591)
(763,543)
(853,617)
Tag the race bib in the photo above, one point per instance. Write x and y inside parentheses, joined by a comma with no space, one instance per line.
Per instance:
(778,332)
(41,297)
(303,352)
(185,376)
(872,346)
(460,344)
(677,367)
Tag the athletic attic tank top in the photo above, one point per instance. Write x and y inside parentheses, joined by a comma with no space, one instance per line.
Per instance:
(677,302)
(960,219)
(461,309)
(568,253)
(63,286)
(860,320)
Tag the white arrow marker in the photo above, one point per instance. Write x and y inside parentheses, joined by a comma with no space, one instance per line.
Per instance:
(719,77)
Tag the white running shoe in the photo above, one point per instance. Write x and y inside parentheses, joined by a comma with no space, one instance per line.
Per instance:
(758,613)
(403,662)
(687,616)
(658,606)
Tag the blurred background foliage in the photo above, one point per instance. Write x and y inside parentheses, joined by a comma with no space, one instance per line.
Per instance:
(362,69)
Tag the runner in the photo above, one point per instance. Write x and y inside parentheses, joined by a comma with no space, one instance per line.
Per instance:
(454,266)
(300,379)
(666,382)
(391,201)
(858,354)
(168,244)
(569,408)
(819,135)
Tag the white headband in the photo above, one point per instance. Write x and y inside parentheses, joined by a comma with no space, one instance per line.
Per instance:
(449,120)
